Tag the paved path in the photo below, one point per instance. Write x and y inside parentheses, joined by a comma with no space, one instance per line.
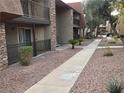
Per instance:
(63,78)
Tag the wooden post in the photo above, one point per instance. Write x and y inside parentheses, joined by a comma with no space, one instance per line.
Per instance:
(34,41)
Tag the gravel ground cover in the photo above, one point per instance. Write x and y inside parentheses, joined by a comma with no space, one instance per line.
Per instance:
(17,79)
(86,42)
(104,43)
(99,71)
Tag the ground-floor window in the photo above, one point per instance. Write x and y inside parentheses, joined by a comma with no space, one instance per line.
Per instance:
(24,36)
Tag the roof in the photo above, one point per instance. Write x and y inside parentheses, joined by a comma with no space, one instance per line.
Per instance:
(77,6)
(62,4)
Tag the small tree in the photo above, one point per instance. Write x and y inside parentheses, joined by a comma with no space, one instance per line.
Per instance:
(105,10)
(93,18)
(73,43)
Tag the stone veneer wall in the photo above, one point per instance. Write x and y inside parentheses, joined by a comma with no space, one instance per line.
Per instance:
(52,4)
(3,49)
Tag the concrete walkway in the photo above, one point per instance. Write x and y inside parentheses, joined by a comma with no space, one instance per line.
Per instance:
(62,79)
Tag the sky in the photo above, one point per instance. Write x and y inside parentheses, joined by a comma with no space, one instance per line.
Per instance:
(70,1)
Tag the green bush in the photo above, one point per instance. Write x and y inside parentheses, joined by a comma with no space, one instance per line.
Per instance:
(108,52)
(114,87)
(25,55)
(115,37)
(73,43)
(113,40)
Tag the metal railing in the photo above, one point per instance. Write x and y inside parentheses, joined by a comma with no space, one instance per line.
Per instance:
(13,49)
(34,9)
(42,46)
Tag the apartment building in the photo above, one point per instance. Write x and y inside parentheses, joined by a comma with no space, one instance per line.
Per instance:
(41,24)
(69,22)
(78,6)
(26,23)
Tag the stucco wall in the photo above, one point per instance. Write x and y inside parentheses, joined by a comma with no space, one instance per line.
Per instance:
(47,34)
(39,33)
(42,33)
(64,26)
(11,35)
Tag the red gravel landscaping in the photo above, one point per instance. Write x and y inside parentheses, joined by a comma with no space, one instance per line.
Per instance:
(99,71)
(17,79)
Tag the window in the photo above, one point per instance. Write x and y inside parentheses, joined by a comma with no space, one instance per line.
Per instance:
(24,36)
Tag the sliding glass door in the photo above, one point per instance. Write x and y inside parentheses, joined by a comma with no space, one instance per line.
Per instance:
(24,36)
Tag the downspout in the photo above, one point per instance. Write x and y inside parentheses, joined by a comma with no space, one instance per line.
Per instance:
(34,41)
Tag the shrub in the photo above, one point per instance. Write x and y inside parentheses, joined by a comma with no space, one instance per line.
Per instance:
(115,37)
(108,52)
(73,43)
(114,87)
(25,55)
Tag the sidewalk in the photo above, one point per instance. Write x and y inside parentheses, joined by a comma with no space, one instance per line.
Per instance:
(63,78)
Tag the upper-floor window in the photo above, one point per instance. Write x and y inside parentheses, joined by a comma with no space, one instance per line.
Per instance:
(35,8)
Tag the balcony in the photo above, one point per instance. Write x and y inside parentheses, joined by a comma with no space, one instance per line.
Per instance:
(76,22)
(35,12)
(35,9)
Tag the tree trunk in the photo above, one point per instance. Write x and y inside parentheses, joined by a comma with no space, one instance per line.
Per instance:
(79,43)
(73,47)
(114,29)
(84,32)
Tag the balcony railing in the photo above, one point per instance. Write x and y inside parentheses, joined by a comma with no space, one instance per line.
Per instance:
(76,22)
(13,49)
(35,9)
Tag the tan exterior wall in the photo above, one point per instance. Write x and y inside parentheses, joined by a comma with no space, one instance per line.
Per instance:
(47,34)
(42,33)
(11,6)
(11,35)
(64,26)
(120,25)
(39,33)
